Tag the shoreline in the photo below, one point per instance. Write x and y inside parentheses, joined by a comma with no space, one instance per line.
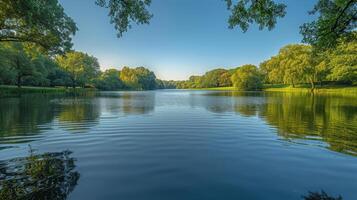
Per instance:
(14,90)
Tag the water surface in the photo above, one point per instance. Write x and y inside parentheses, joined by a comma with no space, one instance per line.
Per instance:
(178,144)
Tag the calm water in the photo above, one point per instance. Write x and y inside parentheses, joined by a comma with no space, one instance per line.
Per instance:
(177,144)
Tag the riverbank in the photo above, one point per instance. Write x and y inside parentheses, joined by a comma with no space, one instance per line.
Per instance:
(6,90)
(342,90)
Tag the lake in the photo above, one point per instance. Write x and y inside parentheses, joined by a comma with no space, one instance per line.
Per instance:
(178,144)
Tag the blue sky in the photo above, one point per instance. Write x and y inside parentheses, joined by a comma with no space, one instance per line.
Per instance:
(185,37)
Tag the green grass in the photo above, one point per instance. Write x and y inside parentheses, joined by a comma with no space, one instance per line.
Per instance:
(14,90)
(215,88)
(335,89)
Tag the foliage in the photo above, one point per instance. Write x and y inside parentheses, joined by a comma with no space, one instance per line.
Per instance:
(109,80)
(138,78)
(247,77)
(337,19)
(42,22)
(343,62)
(81,67)
(262,12)
(18,63)
(122,13)
(298,63)
(216,78)
(25,65)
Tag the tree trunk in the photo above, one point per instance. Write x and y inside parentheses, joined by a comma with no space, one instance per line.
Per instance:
(73,83)
(19,81)
(312,84)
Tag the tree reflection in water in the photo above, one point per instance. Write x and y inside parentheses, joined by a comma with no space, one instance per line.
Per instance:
(38,176)
(328,118)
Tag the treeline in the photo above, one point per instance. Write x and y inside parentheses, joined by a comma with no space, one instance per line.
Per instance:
(295,64)
(24,64)
(213,78)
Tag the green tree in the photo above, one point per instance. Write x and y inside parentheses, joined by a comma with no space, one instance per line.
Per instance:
(7,75)
(292,65)
(247,77)
(19,62)
(337,19)
(262,12)
(138,78)
(195,82)
(42,22)
(215,78)
(81,68)
(109,80)
(295,62)
(343,62)
(123,13)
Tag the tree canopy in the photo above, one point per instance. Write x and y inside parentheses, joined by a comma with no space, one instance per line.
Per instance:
(81,68)
(42,22)
(247,77)
(123,13)
(336,19)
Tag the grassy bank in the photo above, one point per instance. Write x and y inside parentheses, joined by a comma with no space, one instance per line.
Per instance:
(344,90)
(335,89)
(6,90)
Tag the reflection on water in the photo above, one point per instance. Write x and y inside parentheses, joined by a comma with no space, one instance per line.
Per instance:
(174,144)
(332,119)
(23,115)
(38,176)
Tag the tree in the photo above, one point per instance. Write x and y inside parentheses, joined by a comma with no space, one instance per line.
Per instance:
(42,22)
(123,12)
(343,62)
(109,80)
(295,62)
(337,19)
(7,75)
(18,61)
(262,12)
(247,77)
(81,67)
(138,78)
(292,65)
(215,78)
(195,82)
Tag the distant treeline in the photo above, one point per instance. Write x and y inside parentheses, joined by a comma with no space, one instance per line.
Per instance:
(294,64)
(23,64)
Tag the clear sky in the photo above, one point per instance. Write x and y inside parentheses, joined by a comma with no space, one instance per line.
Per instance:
(185,37)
